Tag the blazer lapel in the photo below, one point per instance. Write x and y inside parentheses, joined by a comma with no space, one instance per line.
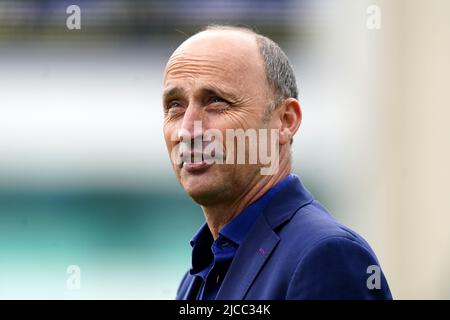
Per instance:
(248,261)
(262,239)
(193,288)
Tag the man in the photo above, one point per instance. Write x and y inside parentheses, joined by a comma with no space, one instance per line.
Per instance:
(265,236)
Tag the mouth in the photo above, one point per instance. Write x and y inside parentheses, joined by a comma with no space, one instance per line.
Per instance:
(195,164)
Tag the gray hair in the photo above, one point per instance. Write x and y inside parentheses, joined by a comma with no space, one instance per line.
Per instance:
(279,72)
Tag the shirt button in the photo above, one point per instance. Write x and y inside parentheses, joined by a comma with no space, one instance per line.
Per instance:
(217,280)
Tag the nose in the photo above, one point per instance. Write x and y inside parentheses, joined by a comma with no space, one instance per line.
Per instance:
(192,122)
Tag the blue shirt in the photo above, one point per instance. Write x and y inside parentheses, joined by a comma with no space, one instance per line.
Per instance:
(211,259)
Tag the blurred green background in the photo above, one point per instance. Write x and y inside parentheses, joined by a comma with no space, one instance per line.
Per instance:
(128,244)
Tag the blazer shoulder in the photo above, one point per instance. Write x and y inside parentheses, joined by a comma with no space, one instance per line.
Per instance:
(182,288)
(313,224)
(338,268)
(331,260)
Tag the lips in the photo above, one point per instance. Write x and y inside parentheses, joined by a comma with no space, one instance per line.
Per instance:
(195,166)
(194,163)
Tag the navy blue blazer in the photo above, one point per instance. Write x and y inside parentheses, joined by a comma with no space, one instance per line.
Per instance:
(296,250)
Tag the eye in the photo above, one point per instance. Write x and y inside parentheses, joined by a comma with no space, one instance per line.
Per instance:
(217,104)
(173,104)
(216,99)
(173,109)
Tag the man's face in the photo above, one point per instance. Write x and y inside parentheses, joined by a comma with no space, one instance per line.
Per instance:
(218,78)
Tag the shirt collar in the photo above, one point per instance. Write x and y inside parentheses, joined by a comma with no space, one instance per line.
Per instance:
(237,228)
(201,249)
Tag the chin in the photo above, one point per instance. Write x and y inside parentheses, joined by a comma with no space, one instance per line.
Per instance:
(203,188)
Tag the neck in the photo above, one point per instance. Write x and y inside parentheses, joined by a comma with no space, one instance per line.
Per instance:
(218,215)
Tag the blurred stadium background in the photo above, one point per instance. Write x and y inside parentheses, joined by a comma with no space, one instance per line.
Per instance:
(84,175)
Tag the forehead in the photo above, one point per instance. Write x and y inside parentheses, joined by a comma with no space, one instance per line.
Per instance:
(220,57)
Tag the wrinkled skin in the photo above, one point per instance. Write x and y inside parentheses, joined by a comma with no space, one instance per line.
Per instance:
(218,77)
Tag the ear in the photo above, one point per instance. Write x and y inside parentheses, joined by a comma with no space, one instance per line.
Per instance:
(291,118)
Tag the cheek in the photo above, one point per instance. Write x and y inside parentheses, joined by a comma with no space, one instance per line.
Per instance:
(169,131)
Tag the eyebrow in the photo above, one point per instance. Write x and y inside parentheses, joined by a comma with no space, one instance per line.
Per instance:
(171,92)
(209,89)
(214,90)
